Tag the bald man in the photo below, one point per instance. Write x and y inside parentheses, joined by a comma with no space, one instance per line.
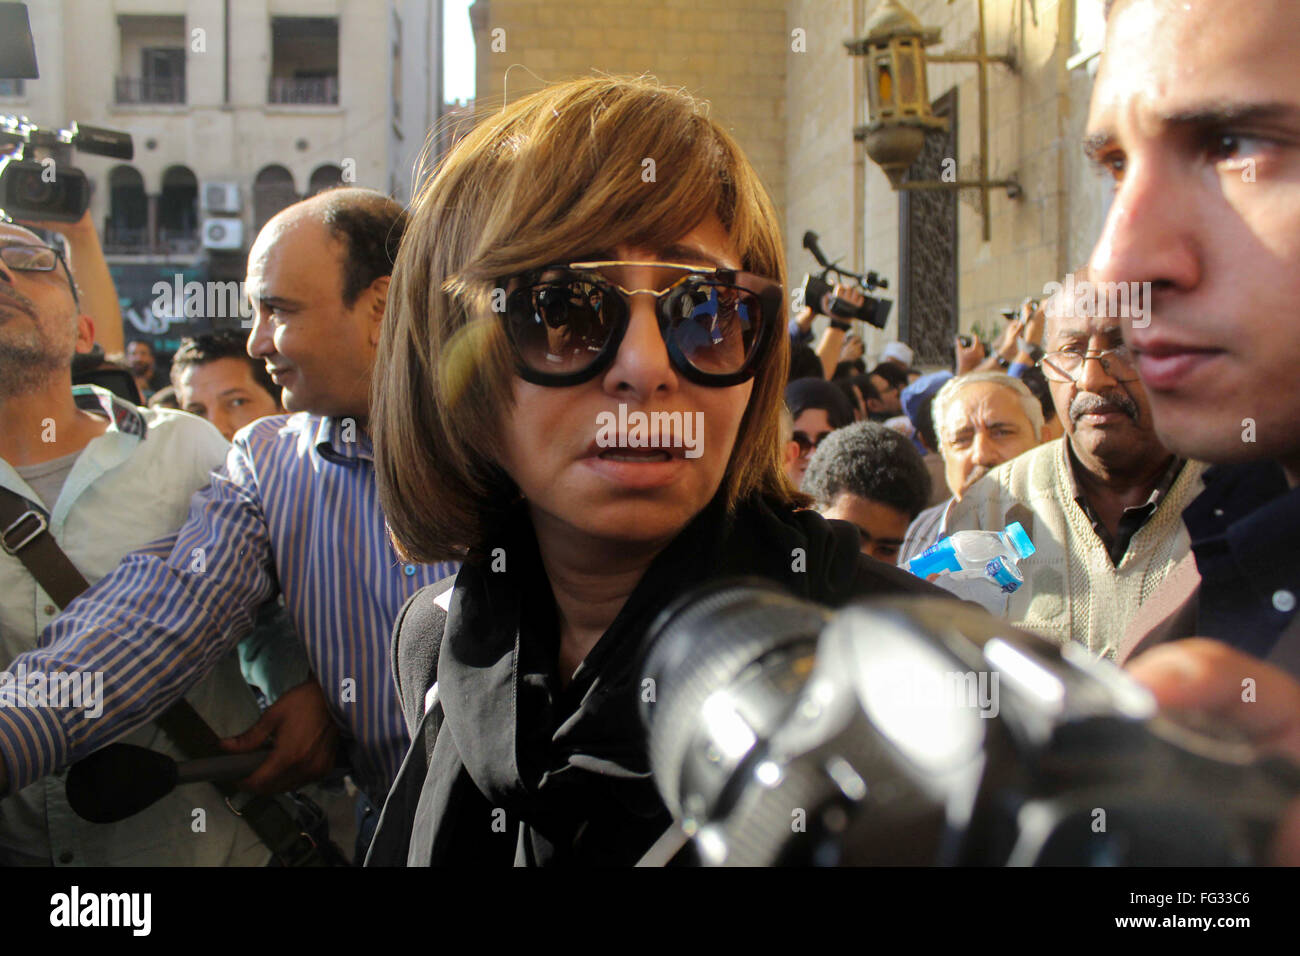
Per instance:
(294,510)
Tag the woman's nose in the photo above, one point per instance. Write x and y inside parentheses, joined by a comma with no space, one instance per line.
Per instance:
(642,365)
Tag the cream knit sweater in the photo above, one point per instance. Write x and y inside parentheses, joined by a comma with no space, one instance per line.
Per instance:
(1071,590)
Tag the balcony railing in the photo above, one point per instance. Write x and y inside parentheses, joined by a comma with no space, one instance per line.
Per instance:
(138,242)
(132,89)
(321,91)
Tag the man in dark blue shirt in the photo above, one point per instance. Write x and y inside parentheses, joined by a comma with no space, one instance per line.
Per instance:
(1205,223)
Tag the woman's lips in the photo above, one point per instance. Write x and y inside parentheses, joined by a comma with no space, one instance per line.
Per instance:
(1166,368)
(636,468)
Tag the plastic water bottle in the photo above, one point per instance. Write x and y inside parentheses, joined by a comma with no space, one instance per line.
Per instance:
(978,554)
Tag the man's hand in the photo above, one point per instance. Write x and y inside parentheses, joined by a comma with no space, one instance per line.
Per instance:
(80,231)
(850,294)
(1035,320)
(304,741)
(1006,345)
(969,356)
(852,349)
(1207,676)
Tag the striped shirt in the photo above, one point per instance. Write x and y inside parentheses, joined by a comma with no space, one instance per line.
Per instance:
(294,510)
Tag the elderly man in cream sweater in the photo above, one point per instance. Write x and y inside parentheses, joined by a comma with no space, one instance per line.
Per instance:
(1103,503)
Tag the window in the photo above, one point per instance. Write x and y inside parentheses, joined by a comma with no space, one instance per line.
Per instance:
(324,177)
(178,210)
(127,229)
(304,61)
(272,191)
(1089,32)
(152,58)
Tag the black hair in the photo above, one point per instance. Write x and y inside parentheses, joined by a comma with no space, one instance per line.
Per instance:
(805,393)
(1036,382)
(370,225)
(847,368)
(893,373)
(924,425)
(863,383)
(846,387)
(804,363)
(139,341)
(871,461)
(202,349)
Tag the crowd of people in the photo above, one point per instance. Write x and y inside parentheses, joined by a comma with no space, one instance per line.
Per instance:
(380,537)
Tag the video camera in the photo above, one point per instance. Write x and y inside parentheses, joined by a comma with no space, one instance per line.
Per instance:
(37,178)
(874,310)
(922,731)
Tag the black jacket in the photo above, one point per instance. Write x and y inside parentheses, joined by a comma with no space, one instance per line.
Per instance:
(508,766)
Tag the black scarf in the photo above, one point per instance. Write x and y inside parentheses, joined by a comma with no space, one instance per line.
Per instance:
(525,770)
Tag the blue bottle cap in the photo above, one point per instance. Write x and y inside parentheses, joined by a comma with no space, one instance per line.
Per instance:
(1019,540)
(938,557)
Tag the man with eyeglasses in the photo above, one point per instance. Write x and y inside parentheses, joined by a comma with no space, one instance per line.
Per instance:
(818,408)
(292,510)
(94,477)
(1103,504)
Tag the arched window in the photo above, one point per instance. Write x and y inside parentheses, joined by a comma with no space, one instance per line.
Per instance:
(127,228)
(324,177)
(178,207)
(272,191)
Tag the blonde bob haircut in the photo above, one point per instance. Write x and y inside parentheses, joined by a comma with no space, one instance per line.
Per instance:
(562,172)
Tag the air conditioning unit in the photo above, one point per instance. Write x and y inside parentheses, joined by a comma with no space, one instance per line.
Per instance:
(223,234)
(221,197)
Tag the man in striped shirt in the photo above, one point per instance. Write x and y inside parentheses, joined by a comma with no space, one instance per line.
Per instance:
(293,511)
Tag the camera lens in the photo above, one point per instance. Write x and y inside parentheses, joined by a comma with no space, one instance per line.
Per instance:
(706,644)
(31,190)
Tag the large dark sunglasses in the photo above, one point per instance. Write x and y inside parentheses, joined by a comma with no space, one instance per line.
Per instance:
(807,445)
(29,257)
(566,322)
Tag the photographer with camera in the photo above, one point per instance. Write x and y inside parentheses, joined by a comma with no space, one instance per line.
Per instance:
(831,346)
(58,531)
(493,441)
(86,260)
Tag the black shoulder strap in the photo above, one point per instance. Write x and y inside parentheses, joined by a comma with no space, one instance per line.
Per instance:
(25,534)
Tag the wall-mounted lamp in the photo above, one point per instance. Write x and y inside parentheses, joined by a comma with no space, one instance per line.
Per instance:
(898,99)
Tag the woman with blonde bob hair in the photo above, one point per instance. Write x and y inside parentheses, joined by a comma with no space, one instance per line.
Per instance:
(578,394)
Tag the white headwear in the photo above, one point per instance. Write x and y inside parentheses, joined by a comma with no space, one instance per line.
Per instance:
(899,352)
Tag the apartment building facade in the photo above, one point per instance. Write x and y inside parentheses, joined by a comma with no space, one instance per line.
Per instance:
(237,109)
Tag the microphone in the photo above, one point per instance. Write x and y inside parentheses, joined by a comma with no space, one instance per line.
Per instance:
(121,780)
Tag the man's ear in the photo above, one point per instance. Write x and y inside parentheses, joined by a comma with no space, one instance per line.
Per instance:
(85,334)
(378,302)
(875,406)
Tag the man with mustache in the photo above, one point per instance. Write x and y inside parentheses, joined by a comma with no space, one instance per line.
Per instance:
(94,477)
(293,511)
(981,419)
(1102,504)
